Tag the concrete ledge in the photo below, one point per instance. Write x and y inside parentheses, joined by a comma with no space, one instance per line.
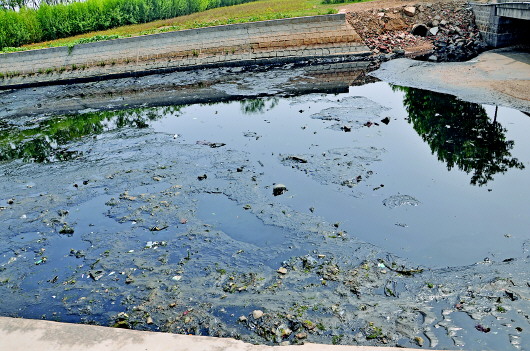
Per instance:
(26,334)
(291,39)
(519,10)
(347,54)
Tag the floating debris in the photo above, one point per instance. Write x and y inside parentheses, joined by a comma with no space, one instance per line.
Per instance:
(400,200)
(279,189)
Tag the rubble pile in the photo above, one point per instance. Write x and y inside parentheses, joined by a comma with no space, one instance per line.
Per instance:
(443,31)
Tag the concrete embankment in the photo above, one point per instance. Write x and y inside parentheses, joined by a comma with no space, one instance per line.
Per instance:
(26,334)
(275,41)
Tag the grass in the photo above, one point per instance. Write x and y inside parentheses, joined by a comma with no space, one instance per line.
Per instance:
(249,12)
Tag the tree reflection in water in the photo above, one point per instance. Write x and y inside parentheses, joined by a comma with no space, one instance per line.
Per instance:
(46,142)
(258,106)
(460,133)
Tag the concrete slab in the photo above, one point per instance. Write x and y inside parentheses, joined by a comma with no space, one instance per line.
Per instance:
(27,335)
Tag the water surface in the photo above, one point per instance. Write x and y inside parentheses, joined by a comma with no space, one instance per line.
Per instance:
(169,211)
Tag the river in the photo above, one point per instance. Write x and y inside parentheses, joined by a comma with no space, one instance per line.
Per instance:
(347,209)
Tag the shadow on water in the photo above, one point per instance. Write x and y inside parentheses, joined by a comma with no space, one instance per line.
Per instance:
(460,133)
(45,141)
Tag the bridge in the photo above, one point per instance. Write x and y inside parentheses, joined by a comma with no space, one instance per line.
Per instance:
(503,22)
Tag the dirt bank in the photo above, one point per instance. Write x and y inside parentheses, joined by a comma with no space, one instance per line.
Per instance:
(442,30)
(497,77)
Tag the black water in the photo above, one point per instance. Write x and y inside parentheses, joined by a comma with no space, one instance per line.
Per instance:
(424,176)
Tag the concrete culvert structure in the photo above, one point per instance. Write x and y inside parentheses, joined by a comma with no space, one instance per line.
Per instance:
(420,29)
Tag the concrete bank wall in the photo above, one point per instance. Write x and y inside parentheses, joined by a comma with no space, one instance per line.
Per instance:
(498,31)
(26,334)
(315,36)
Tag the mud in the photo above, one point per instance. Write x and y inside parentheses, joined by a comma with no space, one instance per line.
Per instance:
(497,77)
(117,210)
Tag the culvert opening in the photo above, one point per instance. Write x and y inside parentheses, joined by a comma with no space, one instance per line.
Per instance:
(420,29)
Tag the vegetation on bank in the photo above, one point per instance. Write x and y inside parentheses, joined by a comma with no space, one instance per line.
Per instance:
(65,20)
(247,11)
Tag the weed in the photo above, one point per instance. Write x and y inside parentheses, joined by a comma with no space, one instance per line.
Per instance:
(375,332)
(8,49)
(336,339)
(12,74)
(299,310)
(308,324)
(501,309)
(70,48)
(273,286)
(389,292)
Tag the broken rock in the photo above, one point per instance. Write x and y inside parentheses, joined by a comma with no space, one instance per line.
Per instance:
(278,189)
(409,11)
(257,314)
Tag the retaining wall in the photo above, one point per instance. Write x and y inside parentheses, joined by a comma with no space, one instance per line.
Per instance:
(495,30)
(314,36)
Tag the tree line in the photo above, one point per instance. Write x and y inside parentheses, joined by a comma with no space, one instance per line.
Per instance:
(18,4)
(25,21)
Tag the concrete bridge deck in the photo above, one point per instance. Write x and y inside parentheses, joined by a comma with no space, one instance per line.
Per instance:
(518,10)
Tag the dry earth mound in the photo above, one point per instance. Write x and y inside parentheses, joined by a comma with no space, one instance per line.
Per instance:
(443,31)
